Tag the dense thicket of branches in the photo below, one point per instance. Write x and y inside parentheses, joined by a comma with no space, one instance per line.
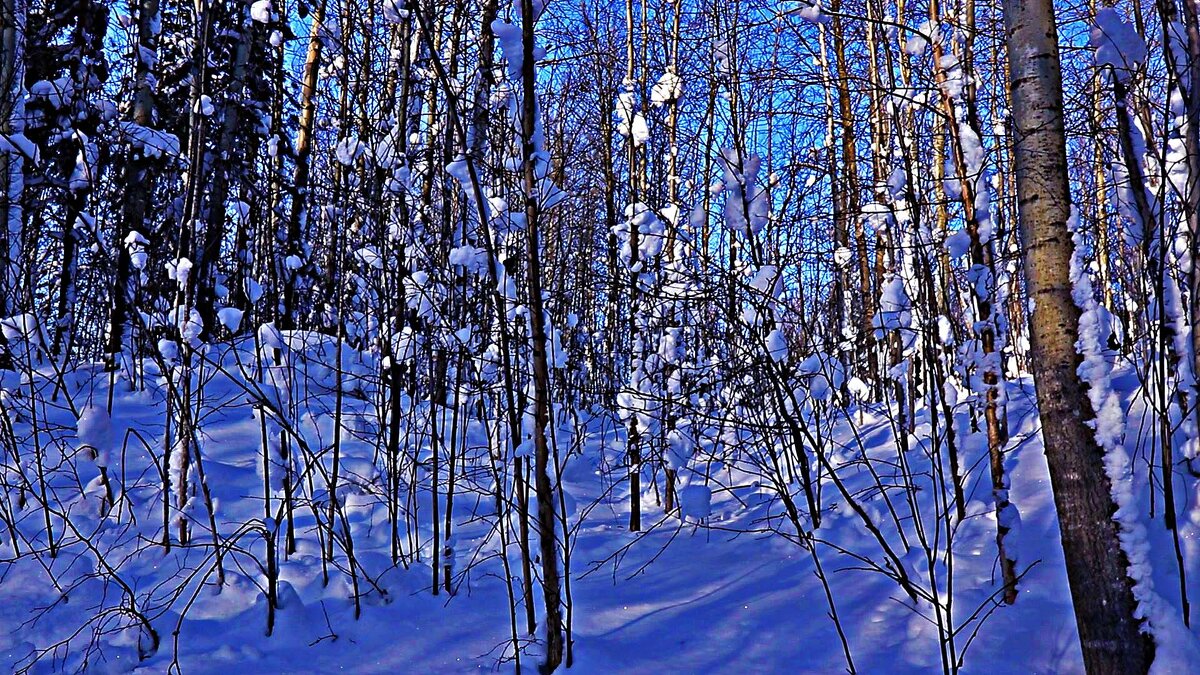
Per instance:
(727,224)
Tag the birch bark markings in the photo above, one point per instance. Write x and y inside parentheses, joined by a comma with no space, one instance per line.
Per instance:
(12,162)
(289,274)
(1096,565)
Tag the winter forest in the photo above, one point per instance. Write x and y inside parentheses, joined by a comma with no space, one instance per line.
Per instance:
(599,336)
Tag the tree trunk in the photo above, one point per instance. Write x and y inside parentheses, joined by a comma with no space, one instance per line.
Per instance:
(544,489)
(138,174)
(225,170)
(1096,565)
(12,164)
(297,215)
(864,341)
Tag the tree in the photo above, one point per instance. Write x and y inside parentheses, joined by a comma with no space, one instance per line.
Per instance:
(1101,589)
(535,194)
(12,160)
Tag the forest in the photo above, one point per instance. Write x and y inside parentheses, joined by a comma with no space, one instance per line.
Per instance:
(625,336)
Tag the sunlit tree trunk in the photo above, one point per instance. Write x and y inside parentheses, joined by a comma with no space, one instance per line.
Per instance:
(1096,565)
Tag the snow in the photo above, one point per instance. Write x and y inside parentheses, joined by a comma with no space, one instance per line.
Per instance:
(189,323)
(859,389)
(509,37)
(348,150)
(369,256)
(85,161)
(777,345)
(729,603)
(696,501)
(945,331)
(179,270)
(1117,44)
(230,318)
(394,12)
(917,44)
(625,111)
(651,233)
(151,142)
(639,130)
(842,256)
(810,11)
(747,206)
(386,152)
(667,89)
(94,431)
(168,349)
(204,105)
(254,290)
(469,257)
(958,243)
(262,11)
(21,327)
(20,143)
(1176,648)
(55,92)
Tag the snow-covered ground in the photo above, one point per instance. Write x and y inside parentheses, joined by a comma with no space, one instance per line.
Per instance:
(729,593)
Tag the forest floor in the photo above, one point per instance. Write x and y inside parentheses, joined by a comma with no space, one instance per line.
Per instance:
(721,595)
